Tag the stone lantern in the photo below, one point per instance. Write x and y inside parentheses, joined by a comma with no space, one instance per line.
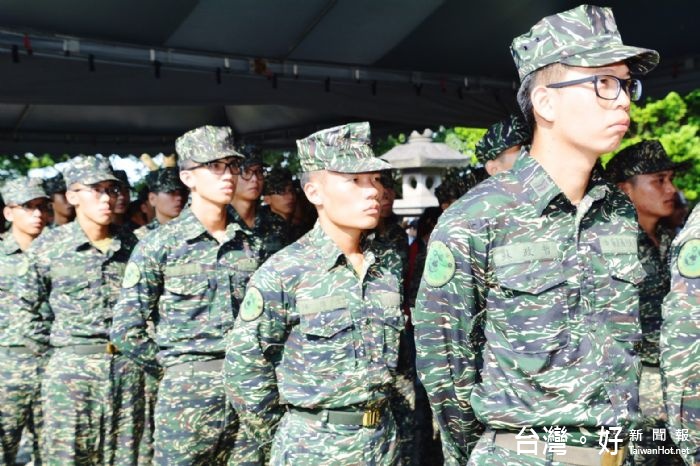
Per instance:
(422,163)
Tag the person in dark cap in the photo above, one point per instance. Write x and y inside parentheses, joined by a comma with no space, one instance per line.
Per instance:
(27,210)
(312,359)
(92,396)
(501,144)
(168,196)
(645,173)
(543,258)
(279,193)
(456,182)
(266,233)
(63,211)
(389,231)
(122,206)
(188,277)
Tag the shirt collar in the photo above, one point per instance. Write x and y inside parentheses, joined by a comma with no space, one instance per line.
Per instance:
(9,244)
(329,252)
(77,237)
(192,228)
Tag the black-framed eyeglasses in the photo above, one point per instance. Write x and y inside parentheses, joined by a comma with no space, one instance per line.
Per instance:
(606,86)
(283,191)
(247,173)
(219,167)
(42,207)
(99,191)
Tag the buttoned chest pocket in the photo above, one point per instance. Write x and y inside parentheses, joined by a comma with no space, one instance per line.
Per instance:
(619,297)
(327,329)
(184,297)
(394,322)
(529,306)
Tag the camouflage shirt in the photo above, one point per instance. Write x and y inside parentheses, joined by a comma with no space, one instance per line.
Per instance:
(395,237)
(553,286)
(680,338)
(337,332)
(189,285)
(268,235)
(652,290)
(79,282)
(141,232)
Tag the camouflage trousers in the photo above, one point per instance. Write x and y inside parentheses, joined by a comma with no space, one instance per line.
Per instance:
(195,424)
(151,383)
(301,441)
(487,453)
(93,409)
(20,403)
(654,416)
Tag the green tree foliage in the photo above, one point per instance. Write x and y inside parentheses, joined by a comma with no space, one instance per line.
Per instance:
(14,165)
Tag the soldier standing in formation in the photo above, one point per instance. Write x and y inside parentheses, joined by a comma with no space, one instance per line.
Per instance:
(501,145)
(168,196)
(188,277)
(545,257)
(330,303)
(27,210)
(645,173)
(680,334)
(63,211)
(91,396)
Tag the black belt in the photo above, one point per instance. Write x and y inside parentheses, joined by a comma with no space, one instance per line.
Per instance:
(369,415)
(84,350)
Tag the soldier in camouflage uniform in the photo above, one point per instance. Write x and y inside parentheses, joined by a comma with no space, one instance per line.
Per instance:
(545,257)
(318,332)
(92,397)
(167,194)
(456,182)
(20,369)
(645,173)
(500,146)
(389,231)
(189,277)
(63,211)
(680,334)
(266,233)
(280,196)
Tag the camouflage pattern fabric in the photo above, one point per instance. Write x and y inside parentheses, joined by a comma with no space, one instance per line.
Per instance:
(301,441)
(458,181)
(583,36)
(343,149)
(269,233)
(190,286)
(80,284)
(88,169)
(20,190)
(206,144)
(554,288)
(503,135)
(253,155)
(55,184)
(123,177)
(165,180)
(680,333)
(142,231)
(641,158)
(339,333)
(20,374)
(393,236)
(277,180)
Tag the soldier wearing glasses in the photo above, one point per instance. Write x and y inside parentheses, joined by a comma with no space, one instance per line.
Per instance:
(91,395)
(189,276)
(266,233)
(20,369)
(544,258)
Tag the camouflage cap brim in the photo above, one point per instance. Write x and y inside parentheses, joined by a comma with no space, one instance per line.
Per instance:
(639,60)
(355,165)
(94,178)
(204,158)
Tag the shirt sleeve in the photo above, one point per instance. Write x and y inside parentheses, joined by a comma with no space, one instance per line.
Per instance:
(252,348)
(680,354)
(138,301)
(34,316)
(448,301)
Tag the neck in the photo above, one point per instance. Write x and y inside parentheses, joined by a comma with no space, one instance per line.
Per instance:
(93,231)
(570,169)
(286,217)
(60,219)
(23,239)
(211,216)
(162,218)
(245,209)
(347,239)
(649,225)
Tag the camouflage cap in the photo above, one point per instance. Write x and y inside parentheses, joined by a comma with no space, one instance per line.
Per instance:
(277,181)
(343,149)
(501,136)
(165,180)
(252,154)
(583,36)
(55,184)
(123,178)
(387,179)
(641,158)
(206,144)
(88,169)
(23,189)
(457,182)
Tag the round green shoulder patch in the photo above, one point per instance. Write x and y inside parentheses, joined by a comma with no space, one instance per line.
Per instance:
(252,305)
(22,267)
(689,258)
(439,265)
(132,275)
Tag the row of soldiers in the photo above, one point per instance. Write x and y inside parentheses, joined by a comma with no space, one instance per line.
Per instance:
(527,315)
